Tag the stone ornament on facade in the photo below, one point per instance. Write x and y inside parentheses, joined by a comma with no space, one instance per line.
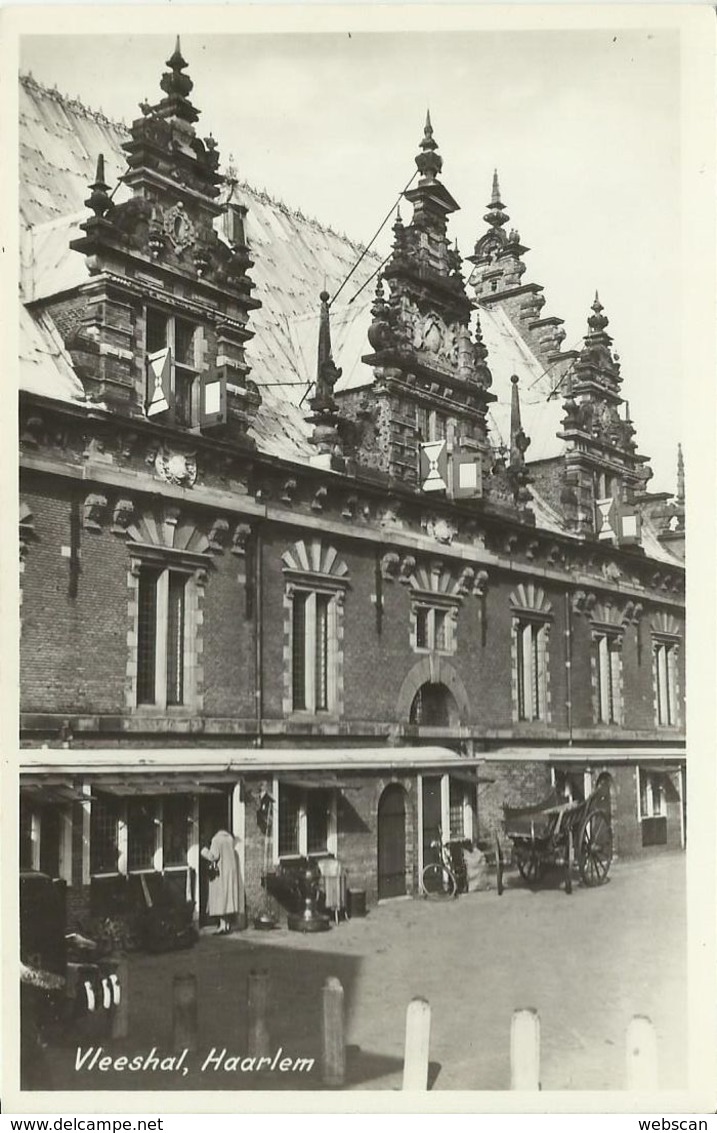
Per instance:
(178,468)
(93,512)
(218,534)
(390,566)
(408,566)
(26,525)
(122,516)
(168,528)
(442,530)
(240,538)
(179,228)
(315,557)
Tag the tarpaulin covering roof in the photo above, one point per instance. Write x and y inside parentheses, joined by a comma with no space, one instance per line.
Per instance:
(295,258)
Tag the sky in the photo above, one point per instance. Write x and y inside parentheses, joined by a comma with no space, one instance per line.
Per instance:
(582,125)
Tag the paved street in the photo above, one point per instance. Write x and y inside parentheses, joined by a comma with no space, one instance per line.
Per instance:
(587,963)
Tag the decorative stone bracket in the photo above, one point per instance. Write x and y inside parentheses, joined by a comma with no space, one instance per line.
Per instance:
(240,538)
(94,509)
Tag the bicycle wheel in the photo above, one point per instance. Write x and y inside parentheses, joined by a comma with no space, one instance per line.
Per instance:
(437,882)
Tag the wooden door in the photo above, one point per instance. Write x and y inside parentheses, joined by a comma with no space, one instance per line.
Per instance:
(392,842)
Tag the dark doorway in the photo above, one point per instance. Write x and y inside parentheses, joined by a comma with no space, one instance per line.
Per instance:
(392,842)
(213,816)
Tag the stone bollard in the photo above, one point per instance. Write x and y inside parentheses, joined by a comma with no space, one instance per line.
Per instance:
(418,1033)
(184,1012)
(257,1007)
(641,1054)
(119,983)
(525,1050)
(333,1047)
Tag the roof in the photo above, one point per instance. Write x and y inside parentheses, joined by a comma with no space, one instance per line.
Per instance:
(295,258)
(541,409)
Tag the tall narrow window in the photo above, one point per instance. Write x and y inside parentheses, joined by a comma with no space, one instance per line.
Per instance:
(530,669)
(161,632)
(665,678)
(607,673)
(312,649)
(176,811)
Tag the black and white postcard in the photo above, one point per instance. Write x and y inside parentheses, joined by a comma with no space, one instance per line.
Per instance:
(358,753)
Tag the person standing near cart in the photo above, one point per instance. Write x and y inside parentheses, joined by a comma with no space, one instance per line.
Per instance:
(223,899)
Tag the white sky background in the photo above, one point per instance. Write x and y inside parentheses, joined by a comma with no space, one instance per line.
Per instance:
(584,127)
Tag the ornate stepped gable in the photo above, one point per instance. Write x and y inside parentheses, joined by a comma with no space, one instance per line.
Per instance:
(601,462)
(497,279)
(168,301)
(430,370)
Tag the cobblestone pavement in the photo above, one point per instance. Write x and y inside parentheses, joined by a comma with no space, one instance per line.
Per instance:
(587,963)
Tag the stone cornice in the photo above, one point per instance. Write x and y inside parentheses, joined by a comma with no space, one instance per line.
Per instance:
(247,506)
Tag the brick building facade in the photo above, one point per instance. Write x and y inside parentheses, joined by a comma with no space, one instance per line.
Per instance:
(343,591)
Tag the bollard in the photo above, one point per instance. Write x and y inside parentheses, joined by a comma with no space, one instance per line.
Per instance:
(418,1033)
(120,991)
(641,1054)
(184,1012)
(257,1004)
(525,1050)
(333,1047)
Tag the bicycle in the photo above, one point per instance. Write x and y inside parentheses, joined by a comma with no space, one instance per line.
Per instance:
(438,881)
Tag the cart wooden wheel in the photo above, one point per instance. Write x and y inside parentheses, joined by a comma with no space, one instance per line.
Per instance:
(530,867)
(594,848)
(498,866)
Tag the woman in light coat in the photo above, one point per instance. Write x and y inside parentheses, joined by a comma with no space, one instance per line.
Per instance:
(223,900)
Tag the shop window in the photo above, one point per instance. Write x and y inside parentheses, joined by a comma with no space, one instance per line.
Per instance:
(41,832)
(530,668)
(161,634)
(176,812)
(608,663)
(306,821)
(142,833)
(104,835)
(447,805)
(313,651)
(664,669)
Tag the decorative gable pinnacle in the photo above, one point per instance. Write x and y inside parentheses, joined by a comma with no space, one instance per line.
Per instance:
(428,161)
(495,216)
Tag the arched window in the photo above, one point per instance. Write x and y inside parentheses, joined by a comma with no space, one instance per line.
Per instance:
(434,706)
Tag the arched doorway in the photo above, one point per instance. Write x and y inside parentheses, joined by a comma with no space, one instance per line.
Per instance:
(392,842)
(434,706)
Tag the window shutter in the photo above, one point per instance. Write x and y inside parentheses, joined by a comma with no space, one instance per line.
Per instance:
(213,399)
(160,397)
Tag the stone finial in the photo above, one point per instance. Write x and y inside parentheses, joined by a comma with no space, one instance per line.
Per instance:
(680,495)
(327,372)
(597,321)
(519,442)
(98,200)
(496,216)
(428,161)
(177,88)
